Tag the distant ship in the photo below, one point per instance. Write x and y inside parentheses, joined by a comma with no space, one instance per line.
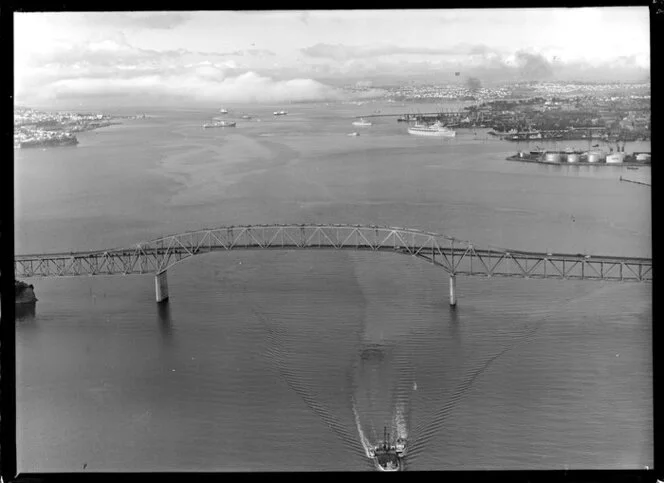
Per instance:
(361,122)
(219,124)
(386,455)
(435,130)
(354,133)
(223,111)
(280,113)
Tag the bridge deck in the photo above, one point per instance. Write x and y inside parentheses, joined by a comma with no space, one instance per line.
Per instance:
(454,256)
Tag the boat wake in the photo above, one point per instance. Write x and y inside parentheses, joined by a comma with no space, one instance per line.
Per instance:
(366,443)
(298,384)
(400,424)
(381,395)
(435,421)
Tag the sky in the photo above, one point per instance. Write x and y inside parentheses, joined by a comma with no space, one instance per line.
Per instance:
(277,56)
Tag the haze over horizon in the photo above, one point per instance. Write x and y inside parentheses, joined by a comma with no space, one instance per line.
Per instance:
(161,58)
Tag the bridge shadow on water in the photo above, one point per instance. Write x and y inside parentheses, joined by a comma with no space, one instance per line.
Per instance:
(454,323)
(165,320)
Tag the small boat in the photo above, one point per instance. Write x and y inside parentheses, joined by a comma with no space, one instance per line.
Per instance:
(362,123)
(353,134)
(280,113)
(223,111)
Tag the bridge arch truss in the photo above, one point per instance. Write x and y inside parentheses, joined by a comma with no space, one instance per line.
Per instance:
(457,257)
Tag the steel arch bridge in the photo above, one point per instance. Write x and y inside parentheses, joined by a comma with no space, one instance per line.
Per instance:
(456,257)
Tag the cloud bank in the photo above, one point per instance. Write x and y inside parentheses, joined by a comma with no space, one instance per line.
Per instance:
(138,20)
(115,69)
(111,67)
(341,52)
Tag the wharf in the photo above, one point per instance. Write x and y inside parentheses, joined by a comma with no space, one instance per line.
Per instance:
(538,160)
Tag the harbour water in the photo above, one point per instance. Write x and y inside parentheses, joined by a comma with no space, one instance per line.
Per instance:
(275,361)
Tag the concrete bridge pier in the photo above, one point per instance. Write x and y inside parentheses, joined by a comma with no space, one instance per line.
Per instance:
(452,290)
(161,286)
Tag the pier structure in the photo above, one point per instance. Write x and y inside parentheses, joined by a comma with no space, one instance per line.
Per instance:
(454,256)
(161,286)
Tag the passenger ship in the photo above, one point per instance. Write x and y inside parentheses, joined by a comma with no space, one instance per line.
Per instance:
(436,130)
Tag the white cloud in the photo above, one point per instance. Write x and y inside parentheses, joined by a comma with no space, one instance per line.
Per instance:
(199,83)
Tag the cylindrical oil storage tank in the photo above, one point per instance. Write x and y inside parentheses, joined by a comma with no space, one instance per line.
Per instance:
(594,157)
(572,157)
(615,158)
(642,157)
(552,157)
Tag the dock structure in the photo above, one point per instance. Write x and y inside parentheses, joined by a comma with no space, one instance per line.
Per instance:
(443,116)
(456,257)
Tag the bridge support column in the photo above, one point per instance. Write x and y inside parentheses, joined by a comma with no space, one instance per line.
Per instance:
(452,290)
(161,286)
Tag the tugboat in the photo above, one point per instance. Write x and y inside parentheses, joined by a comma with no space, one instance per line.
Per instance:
(387,456)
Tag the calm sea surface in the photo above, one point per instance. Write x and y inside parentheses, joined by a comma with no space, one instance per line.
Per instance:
(297,360)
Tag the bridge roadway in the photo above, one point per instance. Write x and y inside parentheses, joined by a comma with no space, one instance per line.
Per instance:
(456,257)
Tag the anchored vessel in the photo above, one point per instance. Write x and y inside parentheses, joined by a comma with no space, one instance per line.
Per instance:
(280,113)
(223,111)
(434,130)
(387,456)
(361,122)
(219,124)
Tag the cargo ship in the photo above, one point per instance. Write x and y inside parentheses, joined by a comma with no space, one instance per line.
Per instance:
(388,456)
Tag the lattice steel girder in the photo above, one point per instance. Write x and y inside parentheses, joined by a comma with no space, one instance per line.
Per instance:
(454,256)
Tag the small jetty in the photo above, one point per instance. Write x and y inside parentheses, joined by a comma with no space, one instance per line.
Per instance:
(634,181)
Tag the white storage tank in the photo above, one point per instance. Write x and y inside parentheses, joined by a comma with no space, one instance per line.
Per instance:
(552,157)
(572,157)
(615,158)
(594,157)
